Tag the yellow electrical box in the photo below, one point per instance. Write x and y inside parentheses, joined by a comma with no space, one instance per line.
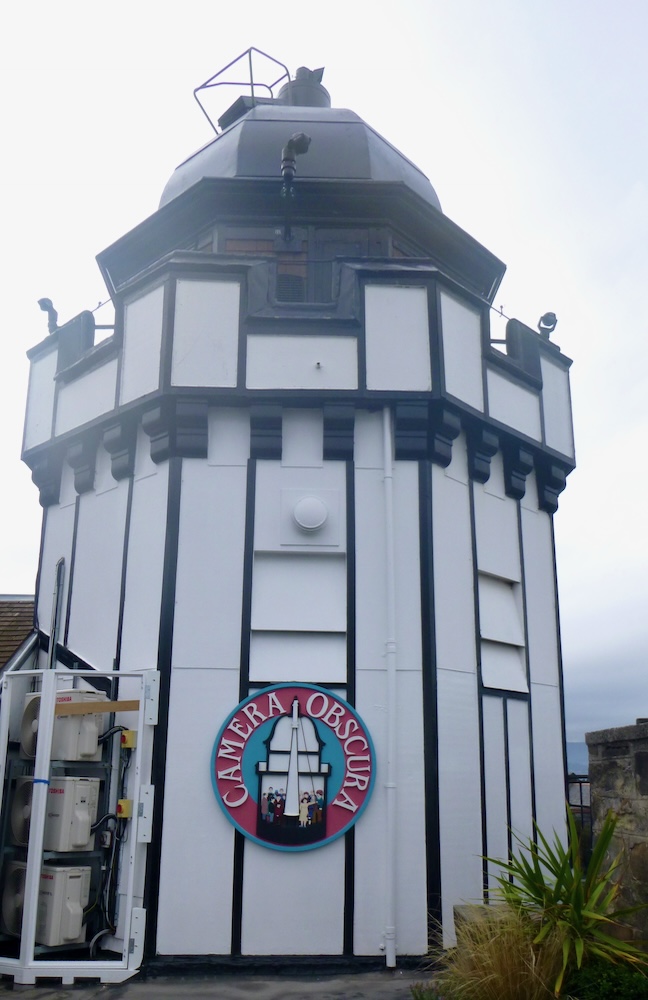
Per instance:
(124,808)
(129,739)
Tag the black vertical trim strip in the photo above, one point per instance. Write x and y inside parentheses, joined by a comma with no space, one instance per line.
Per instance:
(68,607)
(507,776)
(480,686)
(57,389)
(39,571)
(436,343)
(349,893)
(166,339)
(244,690)
(429,692)
(237,894)
(165,650)
(362,338)
(122,588)
(486,348)
(241,355)
(248,564)
(118,333)
(436,340)
(525,622)
(543,435)
(561,686)
(349,840)
(351,582)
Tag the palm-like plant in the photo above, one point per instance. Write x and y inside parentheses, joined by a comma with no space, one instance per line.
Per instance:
(549,883)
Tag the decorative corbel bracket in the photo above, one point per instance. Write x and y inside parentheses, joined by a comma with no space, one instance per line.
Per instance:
(82,458)
(411,426)
(119,441)
(518,463)
(177,426)
(552,479)
(46,475)
(482,445)
(339,425)
(265,431)
(445,426)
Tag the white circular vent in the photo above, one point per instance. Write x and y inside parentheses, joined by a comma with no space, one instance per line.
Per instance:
(310,513)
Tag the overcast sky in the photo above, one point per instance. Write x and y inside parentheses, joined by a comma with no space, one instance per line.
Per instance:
(530,120)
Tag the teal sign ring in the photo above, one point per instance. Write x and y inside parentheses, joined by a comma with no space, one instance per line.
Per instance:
(293,767)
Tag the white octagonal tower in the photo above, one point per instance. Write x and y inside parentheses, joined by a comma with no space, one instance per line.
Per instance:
(301,483)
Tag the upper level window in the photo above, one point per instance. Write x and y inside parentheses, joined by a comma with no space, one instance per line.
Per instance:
(307,268)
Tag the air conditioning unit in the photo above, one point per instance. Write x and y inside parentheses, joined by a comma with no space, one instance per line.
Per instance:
(63,894)
(75,737)
(71,810)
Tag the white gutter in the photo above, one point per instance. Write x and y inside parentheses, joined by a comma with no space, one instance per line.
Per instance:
(390,665)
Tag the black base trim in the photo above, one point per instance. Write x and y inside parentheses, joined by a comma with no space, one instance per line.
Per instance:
(283,965)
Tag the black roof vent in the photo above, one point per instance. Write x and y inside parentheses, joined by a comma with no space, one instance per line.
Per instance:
(306,90)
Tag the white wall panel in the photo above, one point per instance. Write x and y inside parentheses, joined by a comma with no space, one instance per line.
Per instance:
(556,404)
(520,768)
(279,489)
(303,438)
(59,527)
(371,593)
(370,837)
(453,574)
(287,362)
(229,436)
(209,590)
(458,717)
(411,862)
(302,657)
(104,481)
(371,702)
(144,566)
(397,337)
(40,399)
(548,759)
(206,333)
(500,610)
(514,405)
(299,592)
(462,350)
(196,864)
(495,784)
(368,440)
(537,543)
(459,794)
(530,499)
(458,468)
(293,903)
(86,397)
(495,483)
(97,575)
(144,464)
(496,529)
(407,545)
(503,666)
(140,372)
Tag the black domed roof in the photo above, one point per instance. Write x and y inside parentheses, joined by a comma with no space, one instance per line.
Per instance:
(343,147)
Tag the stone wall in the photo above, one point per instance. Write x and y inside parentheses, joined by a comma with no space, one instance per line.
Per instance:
(618,770)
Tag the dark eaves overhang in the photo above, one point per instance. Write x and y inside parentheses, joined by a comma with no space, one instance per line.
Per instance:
(245,201)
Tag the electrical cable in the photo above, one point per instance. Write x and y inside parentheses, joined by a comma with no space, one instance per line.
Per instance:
(111,732)
(95,826)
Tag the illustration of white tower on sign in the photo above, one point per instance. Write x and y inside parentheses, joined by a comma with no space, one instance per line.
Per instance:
(292,781)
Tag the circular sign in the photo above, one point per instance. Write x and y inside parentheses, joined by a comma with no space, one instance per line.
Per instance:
(293,767)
